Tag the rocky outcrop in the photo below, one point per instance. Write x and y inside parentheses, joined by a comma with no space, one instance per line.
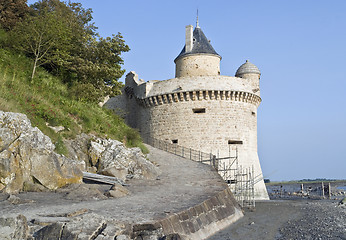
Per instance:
(28,160)
(110,157)
(13,228)
(113,159)
(88,226)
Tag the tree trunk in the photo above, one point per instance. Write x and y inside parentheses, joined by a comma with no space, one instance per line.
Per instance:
(33,70)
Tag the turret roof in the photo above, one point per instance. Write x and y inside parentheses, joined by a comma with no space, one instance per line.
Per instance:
(247,67)
(200,45)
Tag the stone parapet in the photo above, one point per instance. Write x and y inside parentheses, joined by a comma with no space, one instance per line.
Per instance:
(142,89)
(198,96)
(197,222)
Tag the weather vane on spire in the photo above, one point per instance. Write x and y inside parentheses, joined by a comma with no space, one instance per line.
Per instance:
(197,26)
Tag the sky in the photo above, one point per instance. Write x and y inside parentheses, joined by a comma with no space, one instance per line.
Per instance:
(299,47)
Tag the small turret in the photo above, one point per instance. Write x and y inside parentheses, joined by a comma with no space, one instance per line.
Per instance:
(250,72)
(198,57)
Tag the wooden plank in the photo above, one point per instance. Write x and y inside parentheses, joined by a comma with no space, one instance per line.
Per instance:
(102,178)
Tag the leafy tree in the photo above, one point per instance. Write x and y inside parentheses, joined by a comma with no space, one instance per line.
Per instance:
(100,64)
(62,38)
(12,12)
(42,36)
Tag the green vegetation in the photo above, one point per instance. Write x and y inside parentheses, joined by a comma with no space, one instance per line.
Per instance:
(47,101)
(61,38)
(55,68)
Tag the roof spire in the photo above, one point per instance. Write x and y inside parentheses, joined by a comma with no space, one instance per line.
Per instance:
(197,26)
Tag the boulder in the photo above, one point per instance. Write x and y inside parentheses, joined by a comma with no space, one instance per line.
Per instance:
(83,192)
(78,149)
(117,191)
(27,157)
(114,159)
(14,228)
(87,226)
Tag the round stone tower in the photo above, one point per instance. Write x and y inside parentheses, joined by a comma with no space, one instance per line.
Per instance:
(251,73)
(199,108)
(198,57)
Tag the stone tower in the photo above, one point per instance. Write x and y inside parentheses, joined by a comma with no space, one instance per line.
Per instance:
(199,108)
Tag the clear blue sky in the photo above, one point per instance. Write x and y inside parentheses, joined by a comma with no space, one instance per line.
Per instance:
(299,46)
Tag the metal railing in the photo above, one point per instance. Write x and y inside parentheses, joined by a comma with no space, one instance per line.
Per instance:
(189,153)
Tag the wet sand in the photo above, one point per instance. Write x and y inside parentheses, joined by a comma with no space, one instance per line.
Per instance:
(289,219)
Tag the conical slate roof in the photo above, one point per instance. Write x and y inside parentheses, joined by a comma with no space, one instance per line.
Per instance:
(247,67)
(200,45)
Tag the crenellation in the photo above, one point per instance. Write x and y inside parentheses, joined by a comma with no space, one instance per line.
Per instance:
(212,95)
(194,96)
(181,94)
(160,99)
(187,96)
(175,97)
(200,95)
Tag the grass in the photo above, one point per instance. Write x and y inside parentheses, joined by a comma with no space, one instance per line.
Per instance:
(46,101)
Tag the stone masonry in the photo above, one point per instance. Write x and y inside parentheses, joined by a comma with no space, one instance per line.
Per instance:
(199,109)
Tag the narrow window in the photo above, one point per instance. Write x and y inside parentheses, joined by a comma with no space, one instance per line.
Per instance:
(198,110)
(175,141)
(253,114)
(235,142)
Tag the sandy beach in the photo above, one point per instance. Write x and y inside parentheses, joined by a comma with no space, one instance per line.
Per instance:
(289,219)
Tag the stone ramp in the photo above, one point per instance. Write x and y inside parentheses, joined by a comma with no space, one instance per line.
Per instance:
(188,199)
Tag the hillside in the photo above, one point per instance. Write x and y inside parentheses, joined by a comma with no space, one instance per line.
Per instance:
(48,103)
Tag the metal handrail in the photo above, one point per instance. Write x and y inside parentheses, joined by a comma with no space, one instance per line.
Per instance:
(189,153)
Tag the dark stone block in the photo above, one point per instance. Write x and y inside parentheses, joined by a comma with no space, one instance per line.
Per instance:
(191,227)
(203,218)
(200,224)
(184,216)
(176,224)
(146,227)
(167,226)
(192,213)
(186,228)
(199,209)
(215,201)
(207,204)
(230,208)
(173,236)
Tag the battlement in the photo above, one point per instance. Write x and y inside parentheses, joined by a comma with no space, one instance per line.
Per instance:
(199,95)
(197,87)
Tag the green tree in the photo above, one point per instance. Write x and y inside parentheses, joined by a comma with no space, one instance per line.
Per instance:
(62,38)
(12,12)
(100,64)
(43,37)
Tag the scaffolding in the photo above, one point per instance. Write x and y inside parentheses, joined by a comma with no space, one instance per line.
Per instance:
(240,179)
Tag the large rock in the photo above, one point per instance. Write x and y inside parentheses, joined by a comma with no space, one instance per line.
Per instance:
(27,157)
(87,226)
(112,158)
(13,228)
(78,149)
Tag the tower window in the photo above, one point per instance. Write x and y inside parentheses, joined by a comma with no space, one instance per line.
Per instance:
(198,110)
(175,141)
(235,142)
(253,114)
